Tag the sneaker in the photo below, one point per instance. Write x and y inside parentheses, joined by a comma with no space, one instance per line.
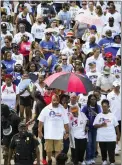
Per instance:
(105,163)
(92,161)
(88,162)
(116,152)
(44,162)
(50,162)
(83,163)
(118,147)
(112,164)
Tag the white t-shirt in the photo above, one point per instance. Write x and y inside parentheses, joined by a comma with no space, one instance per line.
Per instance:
(93,76)
(105,82)
(115,104)
(116,70)
(73,11)
(116,16)
(54,120)
(99,63)
(17,37)
(106,134)
(8,95)
(83,100)
(114,29)
(38,30)
(67,51)
(17,58)
(78,125)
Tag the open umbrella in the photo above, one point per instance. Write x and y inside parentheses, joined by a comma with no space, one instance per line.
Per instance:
(89,19)
(69,82)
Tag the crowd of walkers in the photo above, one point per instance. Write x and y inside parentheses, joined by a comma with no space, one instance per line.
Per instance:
(38,39)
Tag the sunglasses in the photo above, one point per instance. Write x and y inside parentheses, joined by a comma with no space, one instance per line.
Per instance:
(64,59)
(75,49)
(116,58)
(84,4)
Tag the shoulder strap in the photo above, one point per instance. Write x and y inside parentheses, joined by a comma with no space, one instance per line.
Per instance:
(62,37)
(3,88)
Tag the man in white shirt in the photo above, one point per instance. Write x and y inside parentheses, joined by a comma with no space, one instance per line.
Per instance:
(91,8)
(73,9)
(54,119)
(83,9)
(18,36)
(93,73)
(116,15)
(96,58)
(105,81)
(114,98)
(111,26)
(38,29)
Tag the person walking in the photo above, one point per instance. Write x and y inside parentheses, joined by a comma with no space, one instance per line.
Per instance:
(25,147)
(91,110)
(53,117)
(107,133)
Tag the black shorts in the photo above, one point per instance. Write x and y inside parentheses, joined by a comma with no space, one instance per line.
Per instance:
(25,101)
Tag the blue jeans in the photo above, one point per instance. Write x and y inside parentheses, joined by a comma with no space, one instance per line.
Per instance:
(91,145)
(66,146)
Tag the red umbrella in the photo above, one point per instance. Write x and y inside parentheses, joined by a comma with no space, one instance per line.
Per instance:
(69,82)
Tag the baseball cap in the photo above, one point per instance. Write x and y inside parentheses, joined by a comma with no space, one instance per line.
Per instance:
(92,63)
(48,31)
(14,45)
(61,27)
(116,83)
(108,54)
(106,70)
(18,63)
(70,34)
(3,25)
(93,27)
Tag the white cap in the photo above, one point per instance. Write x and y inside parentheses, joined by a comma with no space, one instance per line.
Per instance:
(116,83)
(49,30)
(61,27)
(18,63)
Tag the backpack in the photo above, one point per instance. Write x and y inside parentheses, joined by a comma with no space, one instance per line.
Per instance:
(14,88)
